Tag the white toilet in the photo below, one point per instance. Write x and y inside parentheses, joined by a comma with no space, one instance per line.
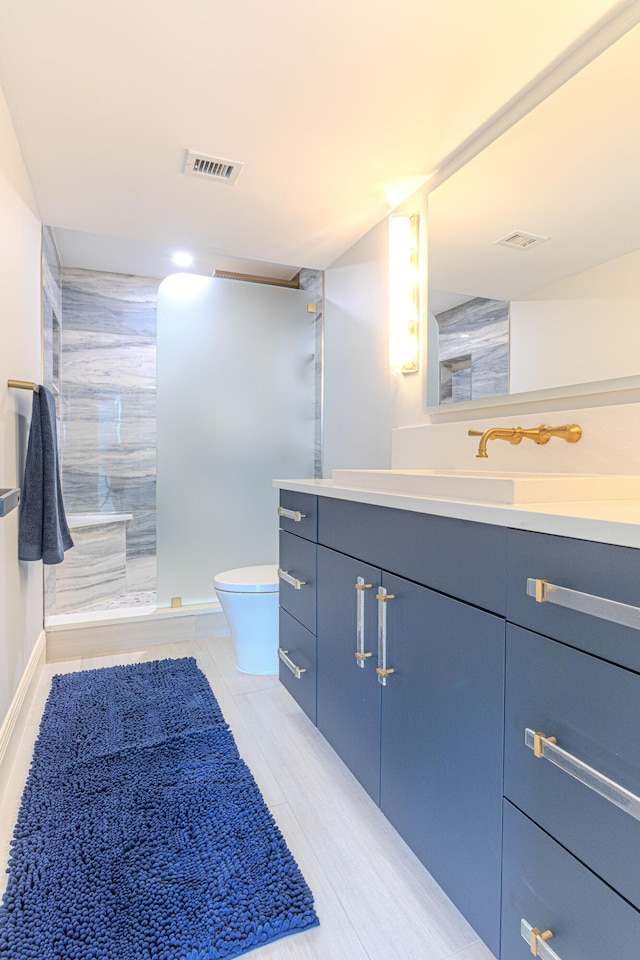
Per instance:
(249,599)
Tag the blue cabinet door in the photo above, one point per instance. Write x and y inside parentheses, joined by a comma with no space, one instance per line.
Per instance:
(592,708)
(551,890)
(348,692)
(298,561)
(298,514)
(441,743)
(298,662)
(600,570)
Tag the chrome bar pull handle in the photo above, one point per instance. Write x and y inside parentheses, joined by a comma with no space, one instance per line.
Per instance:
(291,514)
(361,656)
(295,670)
(547,748)
(292,581)
(382,670)
(612,610)
(538,942)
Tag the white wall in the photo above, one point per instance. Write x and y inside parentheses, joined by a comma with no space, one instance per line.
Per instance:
(21,605)
(608,444)
(578,330)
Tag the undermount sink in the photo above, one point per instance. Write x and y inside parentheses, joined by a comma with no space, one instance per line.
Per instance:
(486,487)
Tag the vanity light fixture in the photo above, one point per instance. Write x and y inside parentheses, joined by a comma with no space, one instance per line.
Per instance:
(182,259)
(404,294)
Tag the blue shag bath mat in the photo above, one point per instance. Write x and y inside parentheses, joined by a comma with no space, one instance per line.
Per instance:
(142,835)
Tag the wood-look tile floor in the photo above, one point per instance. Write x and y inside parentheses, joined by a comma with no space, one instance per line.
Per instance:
(374,899)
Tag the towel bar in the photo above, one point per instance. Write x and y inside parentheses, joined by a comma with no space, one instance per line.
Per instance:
(24,385)
(9,500)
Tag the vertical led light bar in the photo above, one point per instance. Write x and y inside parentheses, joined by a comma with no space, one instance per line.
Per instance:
(404,294)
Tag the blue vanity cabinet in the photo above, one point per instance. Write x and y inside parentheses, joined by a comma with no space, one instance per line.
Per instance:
(297,579)
(443,744)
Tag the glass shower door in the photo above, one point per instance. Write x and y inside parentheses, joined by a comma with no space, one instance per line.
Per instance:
(236,408)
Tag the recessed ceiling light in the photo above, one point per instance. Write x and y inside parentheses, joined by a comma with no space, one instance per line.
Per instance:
(182,259)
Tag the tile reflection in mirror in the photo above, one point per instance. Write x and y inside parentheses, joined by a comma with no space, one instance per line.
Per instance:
(473,349)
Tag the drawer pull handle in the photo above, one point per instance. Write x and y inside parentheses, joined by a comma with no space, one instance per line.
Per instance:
(538,942)
(547,748)
(295,670)
(361,656)
(291,514)
(292,581)
(614,611)
(382,670)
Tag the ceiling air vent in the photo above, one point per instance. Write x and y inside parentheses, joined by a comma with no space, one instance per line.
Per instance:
(520,240)
(211,168)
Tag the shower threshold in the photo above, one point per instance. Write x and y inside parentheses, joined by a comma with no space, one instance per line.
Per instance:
(94,616)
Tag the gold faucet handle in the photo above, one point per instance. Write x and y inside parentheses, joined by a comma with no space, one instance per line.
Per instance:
(474,433)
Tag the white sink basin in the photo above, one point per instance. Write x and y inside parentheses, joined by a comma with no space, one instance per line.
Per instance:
(486,487)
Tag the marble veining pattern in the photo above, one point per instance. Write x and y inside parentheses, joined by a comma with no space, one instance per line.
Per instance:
(108,405)
(51,300)
(109,303)
(128,601)
(51,313)
(478,327)
(95,569)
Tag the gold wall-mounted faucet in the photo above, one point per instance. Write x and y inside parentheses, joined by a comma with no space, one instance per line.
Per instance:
(570,432)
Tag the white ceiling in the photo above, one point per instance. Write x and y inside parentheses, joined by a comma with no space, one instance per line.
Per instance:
(338,110)
(568,171)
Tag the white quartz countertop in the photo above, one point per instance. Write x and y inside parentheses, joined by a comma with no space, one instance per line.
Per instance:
(605,521)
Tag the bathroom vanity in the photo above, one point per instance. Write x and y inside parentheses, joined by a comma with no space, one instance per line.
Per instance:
(478,670)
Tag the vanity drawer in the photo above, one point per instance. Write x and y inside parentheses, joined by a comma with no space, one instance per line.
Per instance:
(599,570)
(463,559)
(593,709)
(551,890)
(297,653)
(297,573)
(298,513)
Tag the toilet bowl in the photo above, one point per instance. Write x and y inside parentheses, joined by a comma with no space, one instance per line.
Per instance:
(249,599)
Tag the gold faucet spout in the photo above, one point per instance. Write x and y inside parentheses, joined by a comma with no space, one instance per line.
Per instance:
(541,434)
(512,434)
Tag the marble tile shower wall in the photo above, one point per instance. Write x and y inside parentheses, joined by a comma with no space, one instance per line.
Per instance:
(51,315)
(51,299)
(108,397)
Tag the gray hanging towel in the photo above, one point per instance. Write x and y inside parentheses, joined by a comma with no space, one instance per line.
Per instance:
(43,531)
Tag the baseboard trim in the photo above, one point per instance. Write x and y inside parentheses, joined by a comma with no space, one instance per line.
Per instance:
(11,722)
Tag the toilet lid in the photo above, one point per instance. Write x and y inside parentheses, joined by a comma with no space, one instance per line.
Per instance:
(260,579)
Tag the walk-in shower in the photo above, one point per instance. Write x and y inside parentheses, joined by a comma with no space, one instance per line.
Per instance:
(238,405)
